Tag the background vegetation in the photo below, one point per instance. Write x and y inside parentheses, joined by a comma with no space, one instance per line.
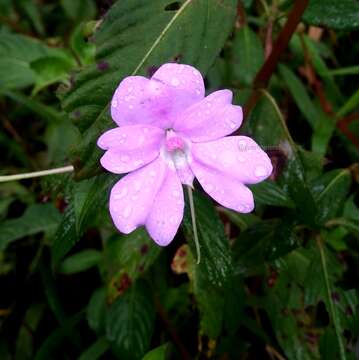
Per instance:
(280,283)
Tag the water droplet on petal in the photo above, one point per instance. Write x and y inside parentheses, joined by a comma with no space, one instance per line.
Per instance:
(120,194)
(124,158)
(114,103)
(138,162)
(176,193)
(134,197)
(127,211)
(260,171)
(175,82)
(152,173)
(130,107)
(209,187)
(137,185)
(173,219)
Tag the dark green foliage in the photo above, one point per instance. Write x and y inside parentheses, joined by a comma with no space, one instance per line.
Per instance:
(279,283)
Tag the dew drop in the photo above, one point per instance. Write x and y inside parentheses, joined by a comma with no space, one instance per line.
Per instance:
(145,130)
(209,187)
(138,162)
(152,173)
(134,197)
(175,82)
(130,107)
(260,171)
(176,193)
(137,185)
(120,194)
(114,103)
(127,211)
(124,158)
(173,219)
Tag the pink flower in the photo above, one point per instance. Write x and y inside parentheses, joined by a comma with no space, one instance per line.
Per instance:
(169,133)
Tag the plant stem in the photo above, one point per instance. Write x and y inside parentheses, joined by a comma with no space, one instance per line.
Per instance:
(194,224)
(264,74)
(60,170)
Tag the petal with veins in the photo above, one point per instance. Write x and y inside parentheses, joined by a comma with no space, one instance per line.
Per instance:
(132,197)
(167,211)
(237,156)
(130,147)
(227,191)
(211,118)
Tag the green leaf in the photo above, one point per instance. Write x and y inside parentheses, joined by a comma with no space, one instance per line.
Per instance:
(37,218)
(17,52)
(329,300)
(86,198)
(79,10)
(216,260)
(84,50)
(130,323)
(127,257)
(300,95)
(133,38)
(49,70)
(269,193)
(293,178)
(248,55)
(350,105)
(330,191)
(338,15)
(47,113)
(55,339)
(96,350)
(96,311)
(157,354)
(263,241)
(81,261)
(351,70)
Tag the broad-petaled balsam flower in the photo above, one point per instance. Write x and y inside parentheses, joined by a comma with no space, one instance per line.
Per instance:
(168,133)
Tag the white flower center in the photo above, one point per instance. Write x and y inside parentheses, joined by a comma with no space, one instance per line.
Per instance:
(176,152)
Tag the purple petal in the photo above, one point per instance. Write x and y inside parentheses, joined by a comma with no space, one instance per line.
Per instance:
(132,197)
(210,119)
(157,101)
(130,147)
(167,211)
(227,191)
(182,77)
(236,156)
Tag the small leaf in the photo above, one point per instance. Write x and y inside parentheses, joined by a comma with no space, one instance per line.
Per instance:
(248,55)
(96,350)
(157,354)
(81,261)
(269,193)
(130,323)
(330,191)
(96,311)
(338,15)
(37,218)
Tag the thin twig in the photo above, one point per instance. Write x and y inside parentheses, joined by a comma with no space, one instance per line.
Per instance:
(36,174)
(264,74)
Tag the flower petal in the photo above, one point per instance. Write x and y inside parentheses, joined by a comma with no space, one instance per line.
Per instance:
(166,213)
(157,101)
(237,156)
(132,197)
(227,191)
(210,119)
(182,77)
(130,147)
